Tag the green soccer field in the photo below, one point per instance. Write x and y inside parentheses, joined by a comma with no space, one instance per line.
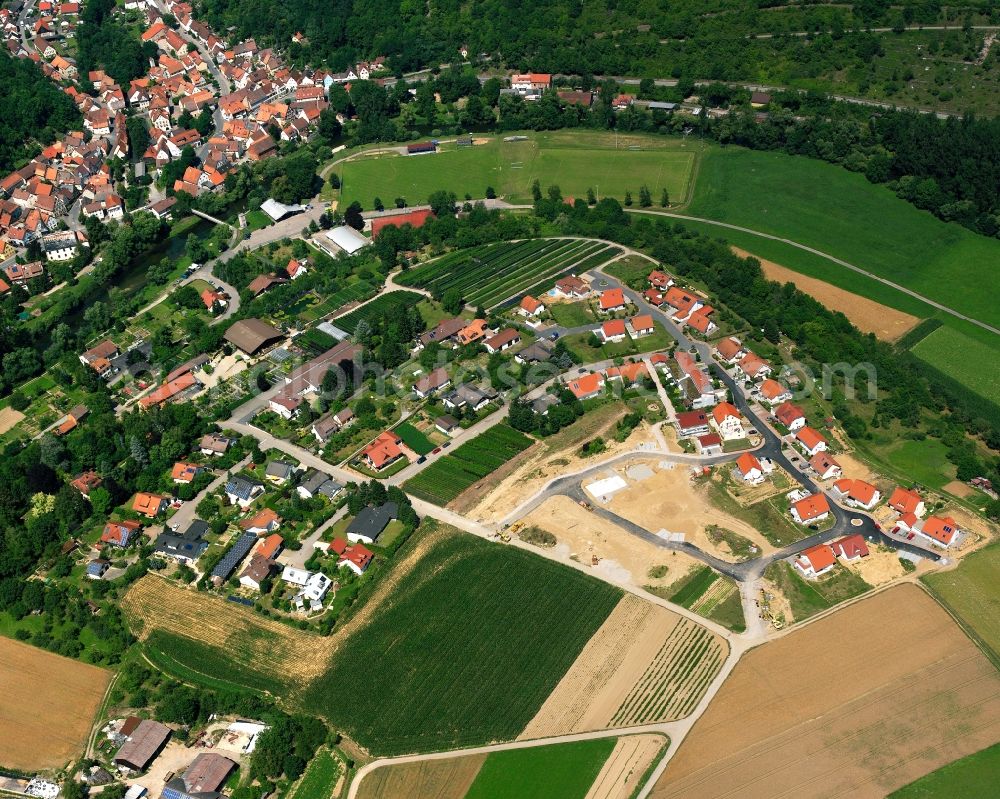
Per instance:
(575,161)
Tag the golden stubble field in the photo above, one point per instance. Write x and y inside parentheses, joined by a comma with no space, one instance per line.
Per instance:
(857,704)
(47,706)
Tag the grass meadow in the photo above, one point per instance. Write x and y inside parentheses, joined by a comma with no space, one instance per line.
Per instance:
(465,651)
(825,206)
(573,160)
(969,592)
(973,363)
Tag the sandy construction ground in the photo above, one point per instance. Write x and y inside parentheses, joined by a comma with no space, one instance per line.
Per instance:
(628,658)
(47,706)
(580,532)
(9,418)
(670,501)
(868,316)
(428,779)
(960,489)
(880,567)
(858,704)
(551,461)
(625,766)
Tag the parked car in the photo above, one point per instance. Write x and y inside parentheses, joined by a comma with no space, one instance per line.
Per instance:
(436,450)
(421,459)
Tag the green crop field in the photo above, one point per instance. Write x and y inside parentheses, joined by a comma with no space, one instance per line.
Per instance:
(449,476)
(463,652)
(970,593)
(490,275)
(320,777)
(414,439)
(557,771)
(975,775)
(394,299)
(574,160)
(694,587)
(824,206)
(974,364)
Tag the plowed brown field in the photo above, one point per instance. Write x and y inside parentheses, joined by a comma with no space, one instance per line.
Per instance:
(47,706)
(857,704)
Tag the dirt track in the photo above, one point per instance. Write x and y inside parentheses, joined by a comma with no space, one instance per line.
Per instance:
(867,315)
(857,704)
(47,706)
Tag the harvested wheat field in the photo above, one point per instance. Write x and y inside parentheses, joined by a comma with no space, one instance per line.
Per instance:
(670,501)
(47,706)
(866,315)
(445,778)
(625,767)
(621,555)
(9,419)
(645,664)
(858,704)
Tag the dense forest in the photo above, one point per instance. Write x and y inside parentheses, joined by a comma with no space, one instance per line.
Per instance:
(35,111)
(106,43)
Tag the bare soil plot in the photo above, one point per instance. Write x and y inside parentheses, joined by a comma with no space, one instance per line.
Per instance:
(558,455)
(448,778)
(47,706)
(880,567)
(9,418)
(584,534)
(644,664)
(625,767)
(671,501)
(857,704)
(868,316)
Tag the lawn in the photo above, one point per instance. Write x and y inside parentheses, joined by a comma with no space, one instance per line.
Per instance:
(974,775)
(414,439)
(464,652)
(808,597)
(970,593)
(577,343)
(449,476)
(572,314)
(257,219)
(559,771)
(574,160)
(973,363)
(841,213)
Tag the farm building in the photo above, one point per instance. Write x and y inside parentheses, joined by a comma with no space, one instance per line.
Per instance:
(250,336)
(203,778)
(421,148)
(143,745)
(347,239)
(278,211)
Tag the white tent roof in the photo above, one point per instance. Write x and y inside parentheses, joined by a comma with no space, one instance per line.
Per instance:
(606,487)
(277,210)
(347,238)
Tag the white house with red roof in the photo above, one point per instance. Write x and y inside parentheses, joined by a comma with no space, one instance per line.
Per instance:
(791,416)
(753,367)
(357,557)
(611,300)
(750,469)
(939,531)
(729,349)
(857,493)
(284,405)
(906,500)
(815,561)
(660,280)
(825,466)
(773,393)
(503,340)
(642,325)
(727,421)
(810,441)
(613,331)
(531,307)
(850,548)
(814,508)
(296,269)
(709,444)
(587,386)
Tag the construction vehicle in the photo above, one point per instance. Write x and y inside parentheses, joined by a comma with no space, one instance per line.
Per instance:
(517,527)
(585,505)
(504,537)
